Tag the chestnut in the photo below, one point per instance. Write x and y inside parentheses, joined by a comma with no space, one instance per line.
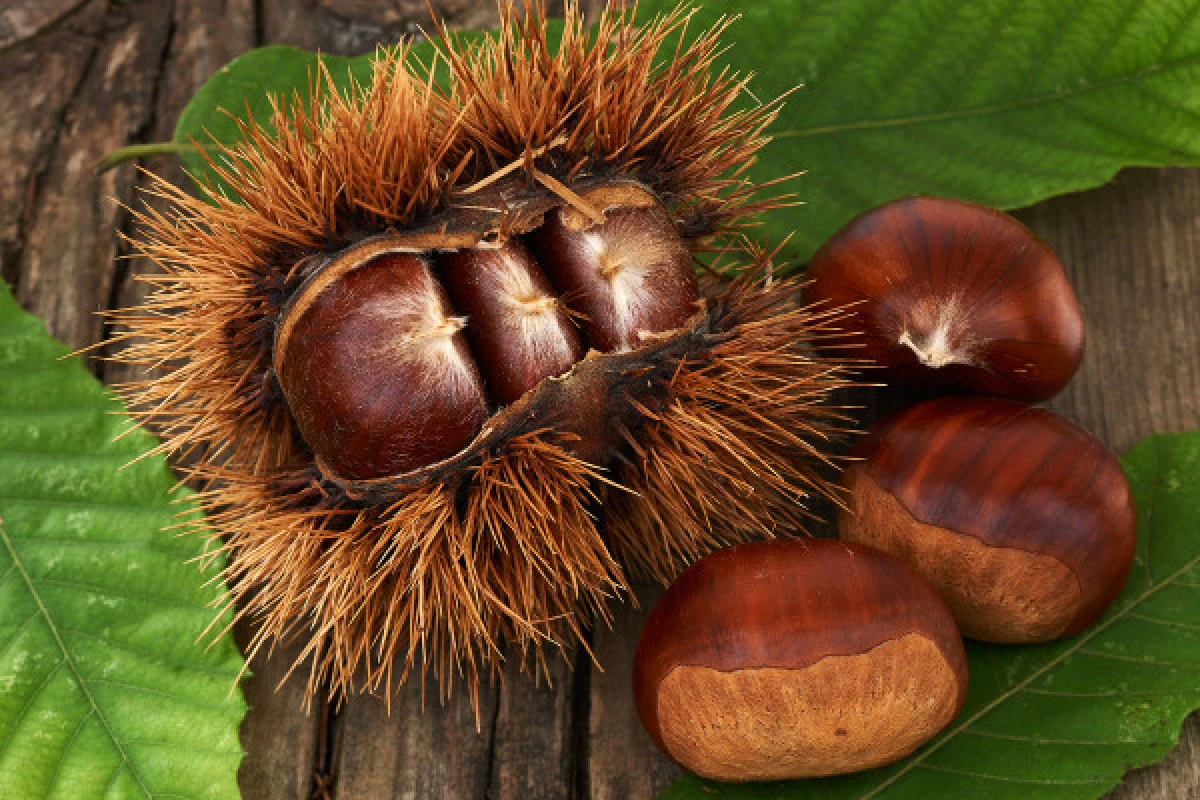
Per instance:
(377,372)
(953,296)
(518,329)
(394,357)
(1023,522)
(625,277)
(793,658)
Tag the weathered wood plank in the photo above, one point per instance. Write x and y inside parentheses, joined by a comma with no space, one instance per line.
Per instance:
(532,757)
(1132,250)
(22,20)
(420,749)
(46,51)
(69,261)
(358,26)
(519,748)
(620,760)
(282,741)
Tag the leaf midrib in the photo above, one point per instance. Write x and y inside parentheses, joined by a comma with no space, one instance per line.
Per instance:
(998,108)
(69,660)
(1083,639)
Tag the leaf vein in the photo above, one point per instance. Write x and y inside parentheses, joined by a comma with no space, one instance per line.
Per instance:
(70,662)
(1077,645)
(223,709)
(1149,662)
(127,594)
(1008,779)
(996,108)
(1167,622)
(1014,737)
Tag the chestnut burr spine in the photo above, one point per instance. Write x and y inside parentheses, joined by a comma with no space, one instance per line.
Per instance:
(363,578)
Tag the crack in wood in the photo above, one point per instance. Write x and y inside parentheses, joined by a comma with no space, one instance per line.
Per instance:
(44,159)
(12,35)
(122,268)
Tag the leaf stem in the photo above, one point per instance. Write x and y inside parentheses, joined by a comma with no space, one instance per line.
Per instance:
(135,151)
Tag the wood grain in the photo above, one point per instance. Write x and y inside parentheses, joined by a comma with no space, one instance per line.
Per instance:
(417,748)
(281,740)
(533,756)
(66,262)
(80,76)
(618,758)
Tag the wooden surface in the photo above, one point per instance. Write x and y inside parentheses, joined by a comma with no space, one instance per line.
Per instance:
(79,78)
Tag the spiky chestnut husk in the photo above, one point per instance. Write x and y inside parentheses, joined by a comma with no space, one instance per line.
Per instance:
(642,458)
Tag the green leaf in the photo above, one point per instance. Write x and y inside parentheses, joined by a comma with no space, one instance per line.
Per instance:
(1064,720)
(105,691)
(241,90)
(1002,102)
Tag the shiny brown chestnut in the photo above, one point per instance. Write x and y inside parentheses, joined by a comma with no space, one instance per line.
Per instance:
(377,372)
(517,325)
(795,658)
(1023,522)
(954,296)
(393,358)
(625,277)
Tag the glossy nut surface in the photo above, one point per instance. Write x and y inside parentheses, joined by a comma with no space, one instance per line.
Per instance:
(954,296)
(515,324)
(1022,521)
(377,373)
(626,277)
(393,357)
(794,658)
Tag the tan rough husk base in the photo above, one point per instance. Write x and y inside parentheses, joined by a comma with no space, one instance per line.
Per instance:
(997,594)
(842,714)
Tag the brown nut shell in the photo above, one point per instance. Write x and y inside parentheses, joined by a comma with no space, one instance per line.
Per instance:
(953,296)
(626,277)
(794,658)
(517,329)
(1022,521)
(377,372)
